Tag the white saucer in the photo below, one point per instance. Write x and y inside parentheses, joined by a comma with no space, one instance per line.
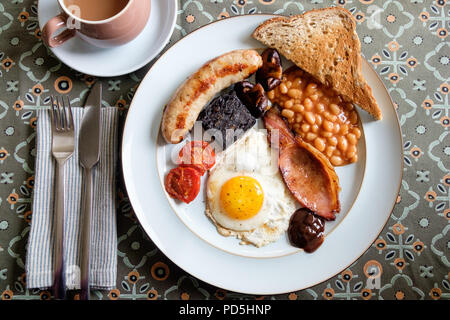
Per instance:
(88,59)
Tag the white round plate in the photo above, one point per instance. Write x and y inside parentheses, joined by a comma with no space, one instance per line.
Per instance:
(183,232)
(350,181)
(112,62)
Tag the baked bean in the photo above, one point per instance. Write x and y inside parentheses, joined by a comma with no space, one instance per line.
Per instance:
(329,116)
(336,161)
(334,108)
(311,136)
(288,104)
(294,93)
(298,108)
(305,127)
(344,129)
(308,104)
(318,119)
(314,97)
(311,88)
(310,118)
(336,127)
(333,141)
(329,151)
(327,125)
(287,113)
(353,117)
(319,144)
(320,107)
(351,151)
(351,138)
(342,144)
(318,115)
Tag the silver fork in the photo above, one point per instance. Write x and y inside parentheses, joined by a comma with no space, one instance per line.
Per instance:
(63,145)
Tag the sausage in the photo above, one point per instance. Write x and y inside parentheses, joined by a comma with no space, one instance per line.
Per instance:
(185,105)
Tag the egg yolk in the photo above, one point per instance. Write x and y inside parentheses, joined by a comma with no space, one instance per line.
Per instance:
(241,197)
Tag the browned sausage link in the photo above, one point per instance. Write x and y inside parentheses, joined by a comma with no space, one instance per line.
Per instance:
(185,105)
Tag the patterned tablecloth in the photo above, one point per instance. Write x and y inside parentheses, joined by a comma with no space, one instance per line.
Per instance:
(406,41)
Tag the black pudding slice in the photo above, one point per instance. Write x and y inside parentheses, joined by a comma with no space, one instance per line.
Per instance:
(226,119)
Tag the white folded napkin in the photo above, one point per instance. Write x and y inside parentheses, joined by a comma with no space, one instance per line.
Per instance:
(40,259)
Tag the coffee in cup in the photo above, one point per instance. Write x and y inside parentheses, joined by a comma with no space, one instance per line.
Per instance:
(103,23)
(95,10)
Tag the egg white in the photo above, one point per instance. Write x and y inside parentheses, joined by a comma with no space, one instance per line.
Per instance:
(251,156)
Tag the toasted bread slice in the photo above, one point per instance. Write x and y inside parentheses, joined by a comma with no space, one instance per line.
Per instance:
(324,43)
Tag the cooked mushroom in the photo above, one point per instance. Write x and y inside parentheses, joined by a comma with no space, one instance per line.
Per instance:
(242,88)
(253,96)
(271,72)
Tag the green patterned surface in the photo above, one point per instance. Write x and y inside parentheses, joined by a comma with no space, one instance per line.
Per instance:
(406,41)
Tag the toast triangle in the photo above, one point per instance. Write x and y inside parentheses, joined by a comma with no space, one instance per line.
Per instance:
(323,43)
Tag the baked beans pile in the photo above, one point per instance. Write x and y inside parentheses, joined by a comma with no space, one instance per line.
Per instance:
(318,115)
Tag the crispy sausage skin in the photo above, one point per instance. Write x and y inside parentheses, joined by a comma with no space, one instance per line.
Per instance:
(185,105)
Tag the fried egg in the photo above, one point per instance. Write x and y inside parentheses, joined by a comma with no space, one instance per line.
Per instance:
(246,195)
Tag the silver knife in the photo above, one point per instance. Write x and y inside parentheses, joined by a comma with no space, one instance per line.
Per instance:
(89,155)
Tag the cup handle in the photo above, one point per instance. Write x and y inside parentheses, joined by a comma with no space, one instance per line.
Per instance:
(52,25)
